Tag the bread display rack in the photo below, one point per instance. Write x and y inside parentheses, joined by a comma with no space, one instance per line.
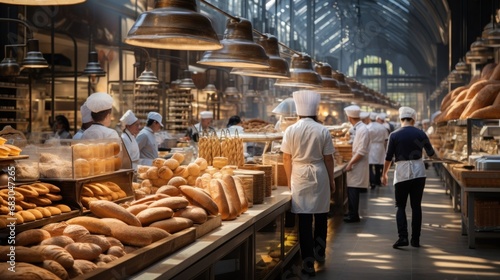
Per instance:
(146,99)
(179,110)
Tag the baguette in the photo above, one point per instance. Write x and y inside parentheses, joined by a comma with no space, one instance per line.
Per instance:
(456,110)
(485,97)
(495,74)
(136,209)
(155,233)
(149,198)
(219,197)
(199,197)
(154,214)
(108,209)
(174,202)
(241,194)
(489,112)
(173,225)
(132,235)
(487,70)
(93,225)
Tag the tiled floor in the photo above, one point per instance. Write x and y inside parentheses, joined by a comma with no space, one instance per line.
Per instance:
(364,250)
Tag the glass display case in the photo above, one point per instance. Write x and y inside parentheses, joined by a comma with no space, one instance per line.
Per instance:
(268,246)
(461,139)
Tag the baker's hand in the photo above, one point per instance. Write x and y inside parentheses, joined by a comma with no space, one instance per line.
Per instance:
(384,179)
(332,186)
(348,168)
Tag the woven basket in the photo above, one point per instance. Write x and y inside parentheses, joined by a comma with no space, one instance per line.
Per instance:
(247,182)
(258,183)
(273,160)
(268,175)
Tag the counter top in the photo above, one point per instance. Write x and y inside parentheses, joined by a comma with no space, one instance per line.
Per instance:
(187,256)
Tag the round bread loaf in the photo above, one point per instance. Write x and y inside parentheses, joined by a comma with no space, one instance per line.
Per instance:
(61,241)
(169,190)
(158,162)
(193,169)
(177,180)
(31,236)
(152,172)
(171,163)
(165,173)
(202,163)
(178,157)
(75,231)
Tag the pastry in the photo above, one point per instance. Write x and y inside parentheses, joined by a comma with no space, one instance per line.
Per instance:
(14,150)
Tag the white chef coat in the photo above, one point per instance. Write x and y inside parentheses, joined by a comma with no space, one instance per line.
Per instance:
(359,176)
(307,142)
(78,135)
(378,135)
(148,147)
(99,131)
(132,147)
(408,169)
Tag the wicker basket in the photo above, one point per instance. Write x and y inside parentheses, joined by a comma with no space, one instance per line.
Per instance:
(273,160)
(258,183)
(247,182)
(486,213)
(268,175)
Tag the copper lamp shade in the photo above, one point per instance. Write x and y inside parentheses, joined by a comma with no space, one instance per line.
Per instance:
(328,84)
(238,48)
(42,2)
(9,67)
(278,66)
(147,78)
(301,73)
(176,25)
(34,58)
(93,68)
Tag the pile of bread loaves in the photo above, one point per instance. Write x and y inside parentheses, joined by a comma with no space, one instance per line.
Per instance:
(478,100)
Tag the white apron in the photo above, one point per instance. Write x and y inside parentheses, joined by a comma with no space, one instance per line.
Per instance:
(408,169)
(310,188)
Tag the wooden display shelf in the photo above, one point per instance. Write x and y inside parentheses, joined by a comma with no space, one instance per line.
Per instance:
(138,260)
(41,222)
(478,179)
(14,158)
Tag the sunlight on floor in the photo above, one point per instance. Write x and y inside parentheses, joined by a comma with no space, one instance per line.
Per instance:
(474,272)
(431,205)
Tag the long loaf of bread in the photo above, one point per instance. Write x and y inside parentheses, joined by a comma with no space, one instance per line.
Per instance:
(485,97)
(108,209)
(217,193)
(200,198)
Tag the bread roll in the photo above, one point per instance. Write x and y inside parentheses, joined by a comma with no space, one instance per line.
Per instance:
(116,251)
(157,183)
(196,214)
(219,196)
(22,254)
(177,181)
(114,242)
(200,198)
(56,253)
(60,241)
(165,173)
(55,229)
(93,225)
(25,271)
(107,209)
(132,235)
(38,215)
(169,190)
(178,157)
(150,215)
(52,188)
(27,216)
(142,168)
(55,268)
(171,163)
(31,236)
(84,266)
(53,210)
(27,191)
(219,162)
(99,240)
(14,150)
(63,207)
(152,172)
(193,169)
(202,163)
(173,225)
(82,151)
(75,231)
(83,251)
(158,162)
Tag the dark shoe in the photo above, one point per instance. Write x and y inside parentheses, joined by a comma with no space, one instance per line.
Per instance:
(319,257)
(373,186)
(415,242)
(309,271)
(402,241)
(351,220)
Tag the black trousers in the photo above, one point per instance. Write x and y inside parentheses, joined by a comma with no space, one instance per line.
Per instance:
(312,237)
(415,189)
(353,202)
(375,174)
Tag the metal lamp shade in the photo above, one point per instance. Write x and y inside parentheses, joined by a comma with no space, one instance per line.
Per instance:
(93,67)
(9,67)
(301,73)
(479,52)
(42,2)
(238,48)
(210,88)
(278,66)
(34,58)
(343,86)
(462,67)
(328,83)
(187,83)
(493,38)
(147,78)
(176,25)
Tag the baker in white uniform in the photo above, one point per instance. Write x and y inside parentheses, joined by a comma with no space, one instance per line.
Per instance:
(86,121)
(358,176)
(146,139)
(376,156)
(100,105)
(203,127)
(308,161)
(132,127)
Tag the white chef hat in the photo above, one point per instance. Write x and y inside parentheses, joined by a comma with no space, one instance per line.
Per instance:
(129,118)
(382,116)
(425,121)
(99,101)
(156,117)
(206,115)
(407,112)
(306,102)
(373,116)
(86,113)
(363,115)
(352,111)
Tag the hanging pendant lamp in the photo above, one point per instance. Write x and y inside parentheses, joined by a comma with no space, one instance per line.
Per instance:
(343,86)
(239,50)
(175,25)
(9,67)
(187,82)
(93,68)
(147,78)
(328,84)
(493,37)
(301,73)
(479,52)
(278,66)
(42,2)
(34,58)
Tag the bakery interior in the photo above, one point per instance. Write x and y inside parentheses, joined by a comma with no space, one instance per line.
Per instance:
(244,58)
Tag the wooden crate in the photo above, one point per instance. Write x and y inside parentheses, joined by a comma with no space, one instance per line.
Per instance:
(479,179)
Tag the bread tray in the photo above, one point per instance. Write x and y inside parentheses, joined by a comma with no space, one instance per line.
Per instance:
(40,223)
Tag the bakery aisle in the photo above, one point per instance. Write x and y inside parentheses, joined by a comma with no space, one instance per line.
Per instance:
(364,250)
